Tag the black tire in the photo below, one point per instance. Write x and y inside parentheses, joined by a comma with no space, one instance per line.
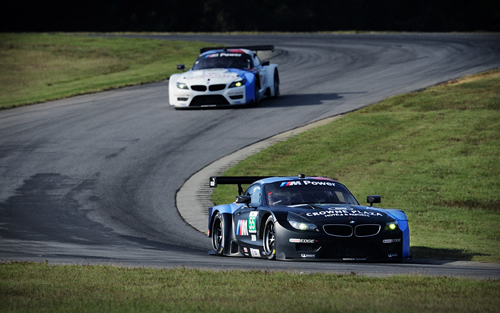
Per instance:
(256,94)
(270,238)
(218,234)
(276,84)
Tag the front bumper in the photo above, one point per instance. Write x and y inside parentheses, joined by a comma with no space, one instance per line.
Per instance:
(199,99)
(307,245)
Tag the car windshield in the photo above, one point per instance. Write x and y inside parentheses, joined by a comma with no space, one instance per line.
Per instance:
(223,60)
(308,191)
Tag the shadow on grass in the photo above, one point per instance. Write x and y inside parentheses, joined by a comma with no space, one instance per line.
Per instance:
(443,254)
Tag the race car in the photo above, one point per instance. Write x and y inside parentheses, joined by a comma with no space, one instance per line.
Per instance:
(305,218)
(227,76)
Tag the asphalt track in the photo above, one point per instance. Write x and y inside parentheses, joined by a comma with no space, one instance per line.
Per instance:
(93,179)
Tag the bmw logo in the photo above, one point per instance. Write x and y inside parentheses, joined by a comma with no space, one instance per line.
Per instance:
(352,222)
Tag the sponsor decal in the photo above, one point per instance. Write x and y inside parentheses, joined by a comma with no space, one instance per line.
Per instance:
(252,222)
(354,259)
(295,240)
(242,228)
(306,255)
(391,240)
(307,183)
(345,212)
(245,249)
(224,54)
(214,75)
(254,237)
(392,255)
(291,183)
(255,253)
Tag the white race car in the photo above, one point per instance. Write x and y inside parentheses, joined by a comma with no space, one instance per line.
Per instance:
(224,77)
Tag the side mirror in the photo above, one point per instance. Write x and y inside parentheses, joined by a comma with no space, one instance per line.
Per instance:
(265,63)
(243,199)
(373,199)
(181,67)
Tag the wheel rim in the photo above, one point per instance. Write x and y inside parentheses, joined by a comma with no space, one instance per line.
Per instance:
(270,239)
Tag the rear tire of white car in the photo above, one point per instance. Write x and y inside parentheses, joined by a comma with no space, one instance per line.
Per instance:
(276,84)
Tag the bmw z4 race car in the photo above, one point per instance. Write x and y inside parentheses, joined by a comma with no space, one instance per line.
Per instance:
(224,77)
(305,218)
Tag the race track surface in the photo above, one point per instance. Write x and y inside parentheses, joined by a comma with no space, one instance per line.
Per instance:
(93,179)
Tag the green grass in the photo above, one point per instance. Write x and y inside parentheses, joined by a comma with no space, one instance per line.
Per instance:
(41,67)
(28,287)
(434,154)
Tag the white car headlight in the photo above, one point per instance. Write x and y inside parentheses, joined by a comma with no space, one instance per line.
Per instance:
(182,86)
(238,83)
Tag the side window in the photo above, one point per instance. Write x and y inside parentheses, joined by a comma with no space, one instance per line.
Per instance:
(256,62)
(255,192)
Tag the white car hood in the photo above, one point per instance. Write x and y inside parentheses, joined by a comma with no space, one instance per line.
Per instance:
(210,76)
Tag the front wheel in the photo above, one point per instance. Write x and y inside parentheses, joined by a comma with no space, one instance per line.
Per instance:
(256,94)
(218,234)
(270,238)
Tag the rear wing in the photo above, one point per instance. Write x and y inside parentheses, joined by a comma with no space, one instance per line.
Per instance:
(234,180)
(252,48)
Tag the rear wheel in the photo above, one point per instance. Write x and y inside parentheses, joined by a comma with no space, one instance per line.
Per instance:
(218,234)
(276,84)
(270,238)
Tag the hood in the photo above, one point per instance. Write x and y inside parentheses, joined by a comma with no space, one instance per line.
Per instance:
(340,214)
(211,76)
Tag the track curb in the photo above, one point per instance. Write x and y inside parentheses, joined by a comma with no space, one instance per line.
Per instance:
(194,197)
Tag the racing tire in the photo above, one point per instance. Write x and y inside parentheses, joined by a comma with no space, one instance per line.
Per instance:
(256,94)
(218,234)
(276,84)
(270,238)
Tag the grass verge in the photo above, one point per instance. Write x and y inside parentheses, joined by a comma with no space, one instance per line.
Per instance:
(434,154)
(40,287)
(41,67)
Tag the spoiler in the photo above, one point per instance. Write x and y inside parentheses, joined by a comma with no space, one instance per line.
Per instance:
(234,180)
(252,48)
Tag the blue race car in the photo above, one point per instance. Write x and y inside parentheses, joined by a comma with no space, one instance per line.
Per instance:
(305,218)
(230,76)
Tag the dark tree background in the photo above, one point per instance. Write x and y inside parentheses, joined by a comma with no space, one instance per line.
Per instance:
(256,15)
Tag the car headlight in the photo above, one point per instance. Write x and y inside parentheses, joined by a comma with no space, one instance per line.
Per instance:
(182,86)
(300,223)
(238,83)
(391,226)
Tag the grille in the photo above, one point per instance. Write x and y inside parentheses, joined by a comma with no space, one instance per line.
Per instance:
(199,88)
(338,230)
(208,100)
(352,249)
(367,230)
(217,87)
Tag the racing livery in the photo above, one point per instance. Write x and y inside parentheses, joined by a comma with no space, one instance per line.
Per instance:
(305,218)
(224,77)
